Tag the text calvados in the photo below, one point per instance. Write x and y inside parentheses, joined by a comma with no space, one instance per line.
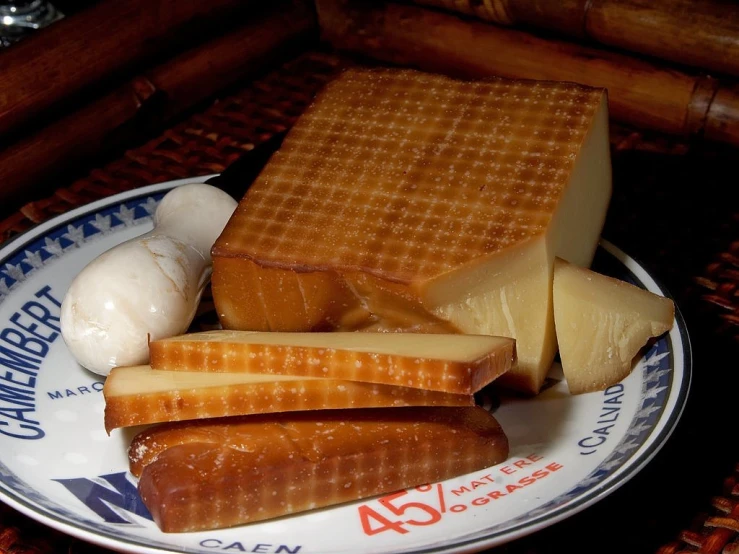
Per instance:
(611,409)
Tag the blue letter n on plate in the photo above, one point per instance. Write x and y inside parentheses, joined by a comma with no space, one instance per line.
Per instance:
(100,498)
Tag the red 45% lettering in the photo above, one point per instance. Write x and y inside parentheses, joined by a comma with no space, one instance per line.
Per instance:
(395,506)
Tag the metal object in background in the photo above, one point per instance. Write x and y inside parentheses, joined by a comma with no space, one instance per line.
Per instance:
(19,18)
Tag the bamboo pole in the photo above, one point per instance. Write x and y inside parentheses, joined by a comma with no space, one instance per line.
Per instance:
(700,33)
(80,52)
(153,97)
(641,94)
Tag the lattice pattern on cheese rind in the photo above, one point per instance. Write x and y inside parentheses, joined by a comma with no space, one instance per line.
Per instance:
(409,175)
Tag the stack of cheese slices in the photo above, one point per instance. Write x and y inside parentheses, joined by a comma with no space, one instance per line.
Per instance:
(415,238)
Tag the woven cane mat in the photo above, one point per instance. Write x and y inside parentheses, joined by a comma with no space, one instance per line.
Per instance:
(674,209)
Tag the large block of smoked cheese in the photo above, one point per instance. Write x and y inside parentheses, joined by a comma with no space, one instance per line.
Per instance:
(139,395)
(461,364)
(602,324)
(207,475)
(406,201)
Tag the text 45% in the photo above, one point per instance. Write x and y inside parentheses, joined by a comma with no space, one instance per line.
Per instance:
(396,506)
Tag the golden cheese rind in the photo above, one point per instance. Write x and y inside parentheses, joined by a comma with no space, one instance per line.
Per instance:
(208,475)
(407,201)
(139,395)
(460,364)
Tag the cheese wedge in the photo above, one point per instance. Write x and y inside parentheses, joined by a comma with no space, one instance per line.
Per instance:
(602,324)
(461,364)
(208,475)
(138,395)
(406,201)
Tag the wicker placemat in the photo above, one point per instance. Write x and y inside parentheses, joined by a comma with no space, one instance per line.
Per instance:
(714,532)
(672,209)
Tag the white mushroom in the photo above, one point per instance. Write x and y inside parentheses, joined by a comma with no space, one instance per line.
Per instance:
(148,287)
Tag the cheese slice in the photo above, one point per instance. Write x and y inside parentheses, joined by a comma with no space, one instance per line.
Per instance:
(602,324)
(139,395)
(407,201)
(461,364)
(202,475)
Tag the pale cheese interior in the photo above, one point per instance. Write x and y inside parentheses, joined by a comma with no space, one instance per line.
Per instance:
(144,380)
(602,324)
(510,293)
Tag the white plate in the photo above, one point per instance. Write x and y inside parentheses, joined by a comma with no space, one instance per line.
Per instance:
(58,466)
